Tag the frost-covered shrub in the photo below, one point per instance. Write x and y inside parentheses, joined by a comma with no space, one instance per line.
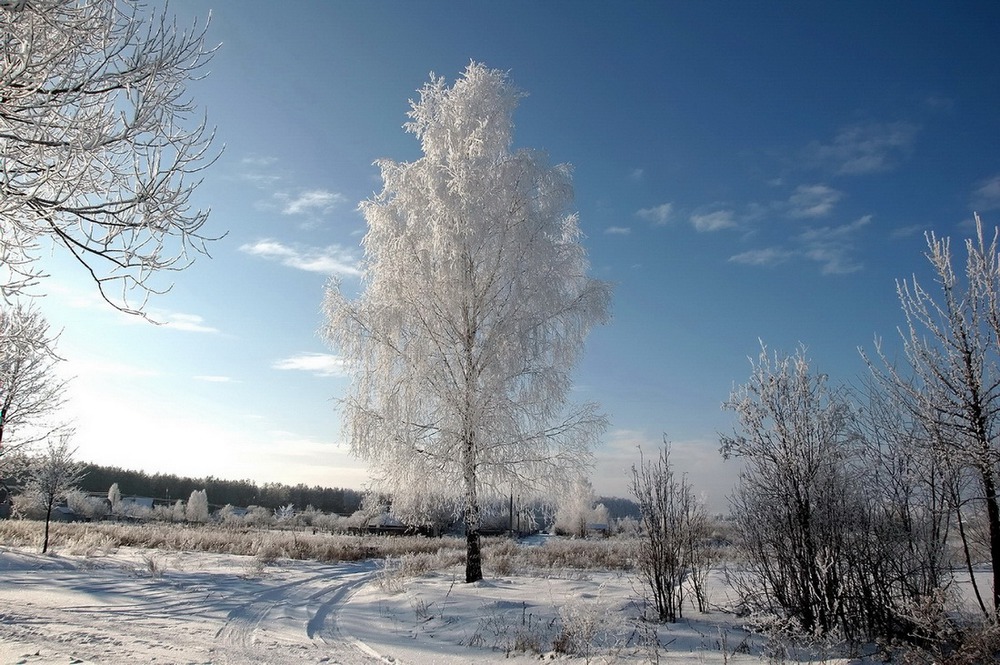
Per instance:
(86,506)
(258,516)
(27,506)
(228,516)
(330,522)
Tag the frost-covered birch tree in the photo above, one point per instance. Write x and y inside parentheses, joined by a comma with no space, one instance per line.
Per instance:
(98,145)
(475,306)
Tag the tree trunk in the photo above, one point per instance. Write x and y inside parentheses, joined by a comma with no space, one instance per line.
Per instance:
(48,517)
(473,553)
(473,556)
(993,516)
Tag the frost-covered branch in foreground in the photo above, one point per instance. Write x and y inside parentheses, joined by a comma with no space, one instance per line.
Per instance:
(98,144)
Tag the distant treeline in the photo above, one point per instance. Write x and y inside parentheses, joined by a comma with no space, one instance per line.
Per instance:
(619,507)
(241,493)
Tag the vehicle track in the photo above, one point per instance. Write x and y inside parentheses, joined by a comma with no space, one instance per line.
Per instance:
(322,597)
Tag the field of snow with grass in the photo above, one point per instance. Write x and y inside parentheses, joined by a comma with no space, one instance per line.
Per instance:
(90,601)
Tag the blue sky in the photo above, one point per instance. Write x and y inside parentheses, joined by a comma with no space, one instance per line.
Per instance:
(744,171)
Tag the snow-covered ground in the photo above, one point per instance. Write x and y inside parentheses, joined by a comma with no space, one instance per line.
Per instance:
(140,606)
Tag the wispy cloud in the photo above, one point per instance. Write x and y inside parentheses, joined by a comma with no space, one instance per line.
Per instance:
(827,234)
(185,322)
(769,256)
(258,161)
(864,148)
(657,215)
(832,247)
(258,170)
(713,221)
(939,103)
(812,201)
(618,230)
(309,202)
(636,174)
(906,231)
(330,260)
(215,379)
(320,364)
(987,194)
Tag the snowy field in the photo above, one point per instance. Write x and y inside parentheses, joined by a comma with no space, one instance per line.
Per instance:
(153,606)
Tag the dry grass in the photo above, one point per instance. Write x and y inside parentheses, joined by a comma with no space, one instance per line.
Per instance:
(269,544)
(409,555)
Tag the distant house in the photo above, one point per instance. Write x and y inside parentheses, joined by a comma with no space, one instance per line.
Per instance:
(64,514)
(136,502)
(599,529)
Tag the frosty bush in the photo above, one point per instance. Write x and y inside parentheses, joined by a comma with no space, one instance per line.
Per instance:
(672,547)
(832,518)
(86,506)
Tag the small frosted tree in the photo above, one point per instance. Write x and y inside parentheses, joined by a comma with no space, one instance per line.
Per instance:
(574,508)
(475,306)
(52,475)
(672,542)
(196,509)
(97,143)
(115,499)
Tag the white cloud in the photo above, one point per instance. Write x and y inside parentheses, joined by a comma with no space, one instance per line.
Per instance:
(215,379)
(657,215)
(812,201)
(770,256)
(320,364)
(833,260)
(330,260)
(636,174)
(827,234)
(864,148)
(906,231)
(987,194)
(258,161)
(713,221)
(832,246)
(313,201)
(618,230)
(185,322)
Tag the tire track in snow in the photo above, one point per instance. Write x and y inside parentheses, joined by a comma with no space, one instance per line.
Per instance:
(246,623)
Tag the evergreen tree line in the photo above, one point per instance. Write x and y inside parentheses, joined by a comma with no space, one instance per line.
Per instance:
(168,488)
